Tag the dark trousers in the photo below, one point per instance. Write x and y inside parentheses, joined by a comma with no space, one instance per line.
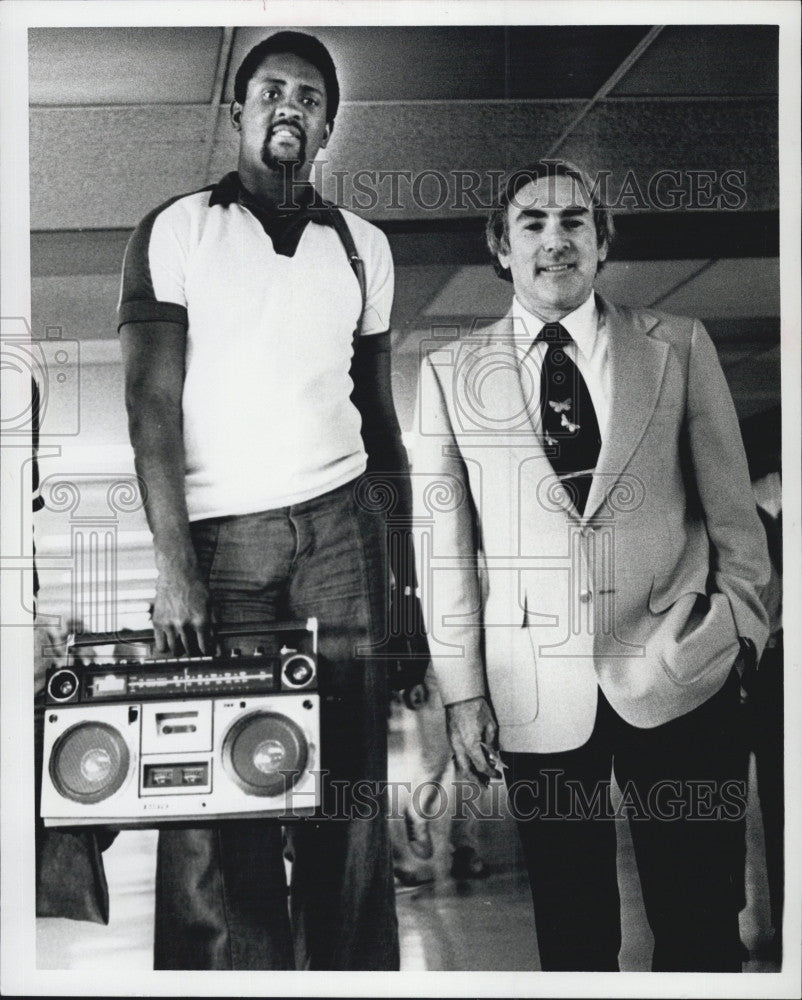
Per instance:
(221,892)
(686,808)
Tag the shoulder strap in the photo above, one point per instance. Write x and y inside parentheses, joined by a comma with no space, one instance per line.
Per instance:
(356,262)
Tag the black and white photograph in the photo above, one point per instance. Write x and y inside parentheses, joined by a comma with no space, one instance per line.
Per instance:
(400,404)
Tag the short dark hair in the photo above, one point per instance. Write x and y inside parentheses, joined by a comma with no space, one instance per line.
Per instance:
(306,47)
(497,229)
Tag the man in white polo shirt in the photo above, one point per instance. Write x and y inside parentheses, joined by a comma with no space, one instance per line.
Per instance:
(253,414)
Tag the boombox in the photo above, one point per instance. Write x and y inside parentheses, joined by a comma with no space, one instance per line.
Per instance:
(136,740)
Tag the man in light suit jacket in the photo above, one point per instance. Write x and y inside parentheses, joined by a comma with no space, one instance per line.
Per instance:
(591,560)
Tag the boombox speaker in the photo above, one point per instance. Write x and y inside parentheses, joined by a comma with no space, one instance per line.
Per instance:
(133,740)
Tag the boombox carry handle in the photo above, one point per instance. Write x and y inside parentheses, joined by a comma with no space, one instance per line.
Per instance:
(221,631)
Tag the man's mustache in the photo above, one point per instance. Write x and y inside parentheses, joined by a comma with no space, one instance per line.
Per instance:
(270,158)
(288,126)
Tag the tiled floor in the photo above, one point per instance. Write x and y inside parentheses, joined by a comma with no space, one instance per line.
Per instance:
(445,925)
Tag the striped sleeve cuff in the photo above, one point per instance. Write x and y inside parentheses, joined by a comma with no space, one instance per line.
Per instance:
(148,311)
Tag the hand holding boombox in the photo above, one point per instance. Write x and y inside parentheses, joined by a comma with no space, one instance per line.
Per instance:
(136,740)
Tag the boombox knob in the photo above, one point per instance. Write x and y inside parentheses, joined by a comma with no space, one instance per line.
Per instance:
(298,670)
(63,685)
(259,651)
(235,652)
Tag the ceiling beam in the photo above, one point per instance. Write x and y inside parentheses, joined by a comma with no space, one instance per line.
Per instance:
(606,87)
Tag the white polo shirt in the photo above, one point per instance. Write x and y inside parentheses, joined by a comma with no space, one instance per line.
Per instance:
(268,419)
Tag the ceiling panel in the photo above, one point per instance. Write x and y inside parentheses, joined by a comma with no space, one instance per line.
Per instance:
(707,59)
(107,167)
(743,288)
(558,61)
(122,65)
(402,63)
(647,137)
(132,65)
(465,63)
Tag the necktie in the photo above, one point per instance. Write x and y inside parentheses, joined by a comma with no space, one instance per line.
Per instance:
(569,426)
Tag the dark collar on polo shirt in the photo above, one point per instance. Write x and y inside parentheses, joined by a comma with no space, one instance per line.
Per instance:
(283,224)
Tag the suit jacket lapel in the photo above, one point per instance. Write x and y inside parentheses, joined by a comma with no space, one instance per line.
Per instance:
(507,398)
(637,363)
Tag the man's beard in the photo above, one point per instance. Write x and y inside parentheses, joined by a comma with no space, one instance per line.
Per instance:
(284,163)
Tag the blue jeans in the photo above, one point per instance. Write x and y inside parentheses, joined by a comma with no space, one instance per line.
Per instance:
(221,892)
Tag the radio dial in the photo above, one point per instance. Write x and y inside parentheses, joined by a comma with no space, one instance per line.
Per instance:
(299,670)
(63,685)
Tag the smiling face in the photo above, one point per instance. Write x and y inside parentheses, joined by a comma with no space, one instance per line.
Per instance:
(553,253)
(283,119)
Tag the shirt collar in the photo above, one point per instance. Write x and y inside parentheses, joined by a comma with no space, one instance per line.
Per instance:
(582,323)
(230,190)
(226,191)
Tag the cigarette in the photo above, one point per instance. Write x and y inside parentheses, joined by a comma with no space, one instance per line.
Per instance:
(492,757)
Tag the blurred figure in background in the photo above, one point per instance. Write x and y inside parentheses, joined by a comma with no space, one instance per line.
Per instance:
(434,766)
